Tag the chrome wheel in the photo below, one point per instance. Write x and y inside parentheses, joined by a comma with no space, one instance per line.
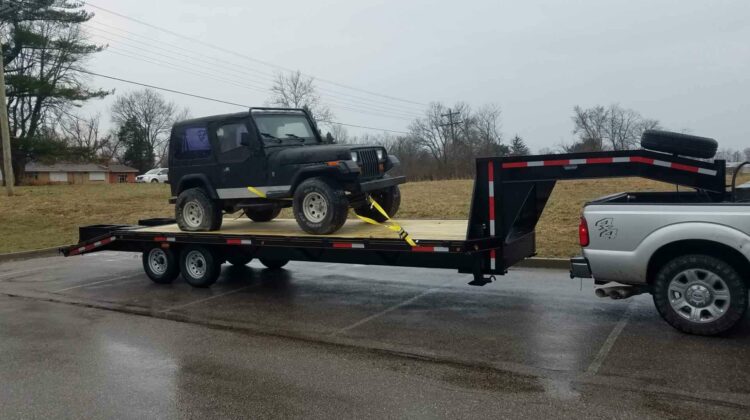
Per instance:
(195,263)
(192,214)
(699,295)
(315,207)
(157,261)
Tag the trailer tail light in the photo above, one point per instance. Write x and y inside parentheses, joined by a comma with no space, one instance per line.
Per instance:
(583,232)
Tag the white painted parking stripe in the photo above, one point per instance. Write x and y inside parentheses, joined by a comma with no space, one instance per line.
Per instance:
(596,364)
(98,282)
(204,299)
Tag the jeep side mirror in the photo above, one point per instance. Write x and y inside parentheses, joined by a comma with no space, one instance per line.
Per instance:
(245,139)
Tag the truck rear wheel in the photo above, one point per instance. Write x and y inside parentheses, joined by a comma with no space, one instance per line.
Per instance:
(262,215)
(195,211)
(700,294)
(388,198)
(199,266)
(160,265)
(320,206)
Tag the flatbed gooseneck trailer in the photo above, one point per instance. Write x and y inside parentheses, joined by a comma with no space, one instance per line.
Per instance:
(509,195)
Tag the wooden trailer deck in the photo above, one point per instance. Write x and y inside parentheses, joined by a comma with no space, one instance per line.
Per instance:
(449,230)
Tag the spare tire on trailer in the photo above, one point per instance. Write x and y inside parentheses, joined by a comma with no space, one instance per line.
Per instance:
(679,144)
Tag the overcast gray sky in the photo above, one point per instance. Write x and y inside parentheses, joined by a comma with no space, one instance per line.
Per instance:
(685,63)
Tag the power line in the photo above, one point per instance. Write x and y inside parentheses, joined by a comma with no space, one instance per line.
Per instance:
(192,95)
(235,53)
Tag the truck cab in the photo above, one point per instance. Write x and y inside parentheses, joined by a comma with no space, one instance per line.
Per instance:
(267,159)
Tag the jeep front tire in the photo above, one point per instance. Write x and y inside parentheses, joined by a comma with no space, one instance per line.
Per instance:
(320,206)
(388,198)
(195,212)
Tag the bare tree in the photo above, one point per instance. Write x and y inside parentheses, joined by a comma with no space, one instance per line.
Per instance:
(615,128)
(746,152)
(153,114)
(339,133)
(293,90)
(589,125)
(430,133)
(84,138)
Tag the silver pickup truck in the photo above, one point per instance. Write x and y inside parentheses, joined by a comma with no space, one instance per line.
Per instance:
(689,251)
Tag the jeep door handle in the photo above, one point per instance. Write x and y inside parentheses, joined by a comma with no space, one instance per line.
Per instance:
(226,170)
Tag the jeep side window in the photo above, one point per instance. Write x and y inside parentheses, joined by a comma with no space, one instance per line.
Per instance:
(193,144)
(229,136)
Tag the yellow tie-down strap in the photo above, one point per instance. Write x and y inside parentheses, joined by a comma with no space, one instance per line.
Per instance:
(257,192)
(388,224)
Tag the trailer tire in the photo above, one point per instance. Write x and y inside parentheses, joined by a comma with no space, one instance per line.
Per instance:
(679,144)
(388,198)
(199,266)
(160,265)
(239,260)
(195,211)
(320,206)
(263,215)
(273,263)
(700,294)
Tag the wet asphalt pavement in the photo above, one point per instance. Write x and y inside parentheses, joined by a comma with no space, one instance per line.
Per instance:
(91,336)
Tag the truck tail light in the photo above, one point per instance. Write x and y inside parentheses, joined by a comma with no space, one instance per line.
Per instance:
(583,233)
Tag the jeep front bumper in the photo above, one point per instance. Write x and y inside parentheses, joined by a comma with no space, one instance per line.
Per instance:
(379,184)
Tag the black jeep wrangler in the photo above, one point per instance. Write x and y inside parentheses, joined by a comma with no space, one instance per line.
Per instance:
(266,159)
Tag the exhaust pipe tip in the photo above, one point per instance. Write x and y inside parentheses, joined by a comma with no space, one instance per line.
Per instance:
(601,292)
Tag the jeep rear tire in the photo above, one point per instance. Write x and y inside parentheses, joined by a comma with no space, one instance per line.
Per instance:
(700,294)
(195,212)
(388,198)
(263,214)
(320,206)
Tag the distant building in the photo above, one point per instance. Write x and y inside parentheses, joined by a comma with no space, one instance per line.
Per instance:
(77,173)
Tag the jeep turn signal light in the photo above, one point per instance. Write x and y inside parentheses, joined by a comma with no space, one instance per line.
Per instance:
(583,233)
(333,163)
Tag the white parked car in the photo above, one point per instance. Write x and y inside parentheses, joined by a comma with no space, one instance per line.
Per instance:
(154,175)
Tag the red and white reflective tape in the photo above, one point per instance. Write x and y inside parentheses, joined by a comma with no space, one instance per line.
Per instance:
(430,249)
(89,247)
(348,245)
(491,204)
(606,160)
(164,239)
(239,242)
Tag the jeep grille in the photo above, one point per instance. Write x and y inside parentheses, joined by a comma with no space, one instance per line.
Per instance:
(367,159)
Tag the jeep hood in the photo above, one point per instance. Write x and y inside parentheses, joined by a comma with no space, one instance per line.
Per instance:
(311,154)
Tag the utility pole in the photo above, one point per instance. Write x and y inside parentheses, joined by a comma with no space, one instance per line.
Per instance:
(5,133)
(451,123)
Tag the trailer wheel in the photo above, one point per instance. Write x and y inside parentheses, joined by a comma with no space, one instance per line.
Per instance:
(199,266)
(194,211)
(272,263)
(160,265)
(239,260)
(388,198)
(700,294)
(320,206)
(679,144)
(262,215)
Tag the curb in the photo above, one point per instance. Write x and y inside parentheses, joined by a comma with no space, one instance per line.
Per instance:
(551,263)
(27,255)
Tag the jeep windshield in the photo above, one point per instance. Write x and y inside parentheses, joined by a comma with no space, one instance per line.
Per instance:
(284,128)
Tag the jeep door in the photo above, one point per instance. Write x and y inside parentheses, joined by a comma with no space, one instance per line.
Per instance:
(240,158)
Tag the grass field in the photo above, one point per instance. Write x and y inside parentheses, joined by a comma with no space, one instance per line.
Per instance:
(40,217)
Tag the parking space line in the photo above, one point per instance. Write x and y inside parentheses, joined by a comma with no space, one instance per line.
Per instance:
(21,272)
(97,282)
(389,309)
(596,364)
(204,299)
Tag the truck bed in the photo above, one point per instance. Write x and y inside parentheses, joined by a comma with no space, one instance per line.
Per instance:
(448,230)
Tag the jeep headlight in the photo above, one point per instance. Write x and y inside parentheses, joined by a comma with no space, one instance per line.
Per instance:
(354,156)
(380,154)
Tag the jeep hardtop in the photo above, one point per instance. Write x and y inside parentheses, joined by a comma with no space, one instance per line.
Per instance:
(266,159)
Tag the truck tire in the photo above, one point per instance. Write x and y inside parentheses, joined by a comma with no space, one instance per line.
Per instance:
(679,144)
(195,212)
(154,181)
(273,263)
(263,215)
(160,265)
(320,206)
(239,260)
(700,294)
(388,198)
(199,266)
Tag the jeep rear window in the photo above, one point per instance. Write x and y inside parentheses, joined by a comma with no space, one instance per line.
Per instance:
(284,126)
(194,144)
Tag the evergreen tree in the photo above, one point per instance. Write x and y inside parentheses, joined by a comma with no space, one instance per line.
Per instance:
(138,152)
(518,147)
